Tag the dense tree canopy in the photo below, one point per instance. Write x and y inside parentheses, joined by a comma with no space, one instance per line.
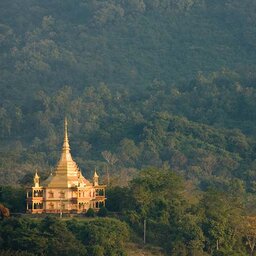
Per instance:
(162,86)
(50,236)
(181,219)
(115,68)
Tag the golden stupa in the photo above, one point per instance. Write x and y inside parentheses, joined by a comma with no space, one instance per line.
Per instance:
(65,190)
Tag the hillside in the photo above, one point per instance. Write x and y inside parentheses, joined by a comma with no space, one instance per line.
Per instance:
(50,44)
(155,82)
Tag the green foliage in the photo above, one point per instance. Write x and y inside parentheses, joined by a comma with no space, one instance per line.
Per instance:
(146,133)
(34,50)
(21,234)
(60,240)
(15,253)
(119,199)
(156,191)
(182,220)
(51,236)
(159,199)
(103,212)
(102,236)
(13,198)
(65,58)
(222,217)
(178,218)
(90,213)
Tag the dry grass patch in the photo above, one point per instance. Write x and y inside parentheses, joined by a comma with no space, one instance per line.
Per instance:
(141,250)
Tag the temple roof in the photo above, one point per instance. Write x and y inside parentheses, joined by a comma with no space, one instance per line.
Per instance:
(66,173)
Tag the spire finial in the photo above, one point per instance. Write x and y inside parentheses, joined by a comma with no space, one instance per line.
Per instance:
(95,178)
(36,174)
(95,173)
(36,180)
(66,127)
(66,147)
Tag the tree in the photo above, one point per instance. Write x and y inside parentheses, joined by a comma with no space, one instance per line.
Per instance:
(103,212)
(60,241)
(103,236)
(248,230)
(49,236)
(153,186)
(22,234)
(159,198)
(111,160)
(13,198)
(221,219)
(119,199)
(128,152)
(90,213)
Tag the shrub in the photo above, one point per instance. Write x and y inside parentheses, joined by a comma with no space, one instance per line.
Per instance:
(90,213)
(103,212)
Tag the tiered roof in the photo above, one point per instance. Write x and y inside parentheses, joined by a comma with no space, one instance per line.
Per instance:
(67,172)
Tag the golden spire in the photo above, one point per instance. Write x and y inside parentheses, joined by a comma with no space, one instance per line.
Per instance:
(36,180)
(95,174)
(66,147)
(36,175)
(65,155)
(95,178)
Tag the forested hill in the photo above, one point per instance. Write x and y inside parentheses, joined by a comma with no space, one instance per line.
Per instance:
(155,82)
(49,44)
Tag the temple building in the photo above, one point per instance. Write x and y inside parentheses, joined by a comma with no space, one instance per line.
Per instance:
(65,190)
